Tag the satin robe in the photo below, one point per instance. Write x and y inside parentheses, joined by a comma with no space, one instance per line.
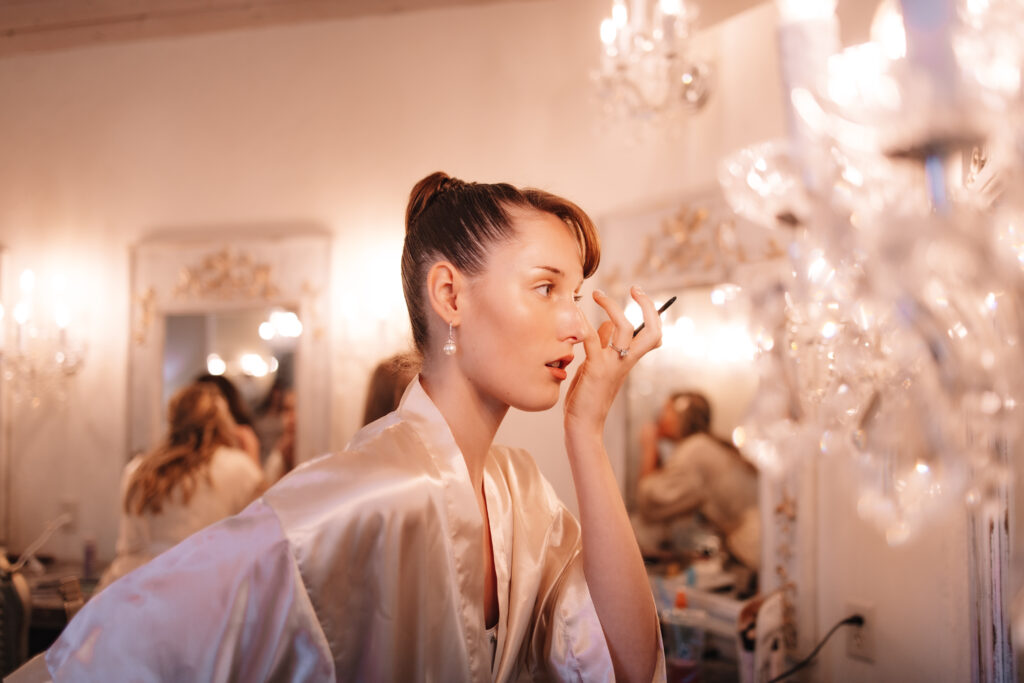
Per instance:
(365,565)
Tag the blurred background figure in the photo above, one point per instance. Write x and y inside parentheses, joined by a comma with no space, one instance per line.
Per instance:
(702,480)
(196,476)
(387,384)
(280,459)
(245,432)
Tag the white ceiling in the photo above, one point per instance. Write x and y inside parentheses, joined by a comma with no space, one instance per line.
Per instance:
(41,25)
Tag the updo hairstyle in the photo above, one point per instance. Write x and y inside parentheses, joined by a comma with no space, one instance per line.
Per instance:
(448,219)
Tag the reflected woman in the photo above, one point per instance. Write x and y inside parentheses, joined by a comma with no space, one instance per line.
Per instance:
(424,551)
(702,474)
(195,477)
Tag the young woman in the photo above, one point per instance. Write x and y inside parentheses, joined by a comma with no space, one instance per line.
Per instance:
(195,477)
(424,551)
(701,474)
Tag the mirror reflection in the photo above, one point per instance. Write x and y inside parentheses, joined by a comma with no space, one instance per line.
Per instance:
(692,495)
(249,354)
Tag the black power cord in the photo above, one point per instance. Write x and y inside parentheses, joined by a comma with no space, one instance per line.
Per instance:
(855,620)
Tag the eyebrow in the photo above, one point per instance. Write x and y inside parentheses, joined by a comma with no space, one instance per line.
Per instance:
(551,269)
(556,271)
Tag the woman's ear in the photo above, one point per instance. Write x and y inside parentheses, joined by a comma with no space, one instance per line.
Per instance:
(444,283)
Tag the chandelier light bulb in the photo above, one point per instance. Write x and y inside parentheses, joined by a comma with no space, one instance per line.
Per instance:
(805,10)
(27,282)
(608,32)
(648,71)
(671,7)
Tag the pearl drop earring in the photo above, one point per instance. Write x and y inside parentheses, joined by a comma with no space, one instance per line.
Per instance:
(449,346)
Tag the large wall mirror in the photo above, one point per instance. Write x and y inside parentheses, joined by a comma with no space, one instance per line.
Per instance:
(696,249)
(251,309)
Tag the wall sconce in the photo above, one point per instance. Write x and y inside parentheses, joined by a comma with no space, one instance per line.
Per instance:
(39,349)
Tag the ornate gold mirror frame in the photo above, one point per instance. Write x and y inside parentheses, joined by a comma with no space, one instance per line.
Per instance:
(221,273)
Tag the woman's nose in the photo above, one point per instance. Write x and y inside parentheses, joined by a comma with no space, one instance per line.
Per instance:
(572,325)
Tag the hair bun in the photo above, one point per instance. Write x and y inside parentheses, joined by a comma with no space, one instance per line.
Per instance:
(424,192)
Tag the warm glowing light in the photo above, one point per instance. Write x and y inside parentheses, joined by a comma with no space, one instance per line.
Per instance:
(671,7)
(608,31)
(805,10)
(215,365)
(634,313)
(253,365)
(21,312)
(888,32)
(620,15)
(281,324)
(62,316)
(27,281)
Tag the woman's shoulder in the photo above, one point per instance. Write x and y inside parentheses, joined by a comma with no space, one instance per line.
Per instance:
(375,468)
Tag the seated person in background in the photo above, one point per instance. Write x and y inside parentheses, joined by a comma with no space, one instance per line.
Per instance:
(245,433)
(387,384)
(194,478)
(703,474)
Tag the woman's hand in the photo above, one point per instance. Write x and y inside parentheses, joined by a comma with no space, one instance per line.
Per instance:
(611,559)
(600,377)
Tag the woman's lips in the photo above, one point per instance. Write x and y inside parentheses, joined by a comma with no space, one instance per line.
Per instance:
(558,372)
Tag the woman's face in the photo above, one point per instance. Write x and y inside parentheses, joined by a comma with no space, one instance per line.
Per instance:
(519,318)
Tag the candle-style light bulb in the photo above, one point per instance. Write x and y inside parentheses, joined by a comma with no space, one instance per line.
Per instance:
(27,281)
(805,10)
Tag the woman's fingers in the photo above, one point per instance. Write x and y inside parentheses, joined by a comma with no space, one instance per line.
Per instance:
(649,337)
(604,332)
(623,330)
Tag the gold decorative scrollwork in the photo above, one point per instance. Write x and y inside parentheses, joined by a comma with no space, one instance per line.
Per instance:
(698,243)
(227,274)
(315,319)
(147,310)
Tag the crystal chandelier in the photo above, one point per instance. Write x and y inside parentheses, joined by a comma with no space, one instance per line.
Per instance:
(38,352)
(892,334)
(647,68)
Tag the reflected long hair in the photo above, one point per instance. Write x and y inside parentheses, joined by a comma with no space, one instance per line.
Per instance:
(198,424)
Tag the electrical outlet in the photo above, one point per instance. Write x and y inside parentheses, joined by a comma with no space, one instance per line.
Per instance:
(860,640)
(70,508)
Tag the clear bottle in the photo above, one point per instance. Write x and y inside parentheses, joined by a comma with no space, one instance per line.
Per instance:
(682,630)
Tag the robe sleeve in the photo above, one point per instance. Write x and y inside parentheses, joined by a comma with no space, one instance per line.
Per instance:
(577,649)
(226,604)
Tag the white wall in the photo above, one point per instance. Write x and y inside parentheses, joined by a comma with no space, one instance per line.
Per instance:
(329,125)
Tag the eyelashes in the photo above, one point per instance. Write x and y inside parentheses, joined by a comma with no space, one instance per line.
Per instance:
(547,289)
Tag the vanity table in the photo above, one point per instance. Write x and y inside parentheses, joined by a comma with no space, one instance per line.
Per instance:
(49,606)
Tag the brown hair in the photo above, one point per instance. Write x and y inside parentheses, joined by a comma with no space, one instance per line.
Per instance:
(198,425)
(387,384)
(449,219)
(693,411)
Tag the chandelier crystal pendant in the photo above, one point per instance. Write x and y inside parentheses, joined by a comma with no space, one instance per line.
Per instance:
(648,70)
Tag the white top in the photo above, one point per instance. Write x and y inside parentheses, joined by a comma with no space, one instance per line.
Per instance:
(234,481)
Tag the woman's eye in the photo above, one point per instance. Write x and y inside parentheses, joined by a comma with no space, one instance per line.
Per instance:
(546,289)
(577,298)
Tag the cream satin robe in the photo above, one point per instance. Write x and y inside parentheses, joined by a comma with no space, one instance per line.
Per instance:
(365,565)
